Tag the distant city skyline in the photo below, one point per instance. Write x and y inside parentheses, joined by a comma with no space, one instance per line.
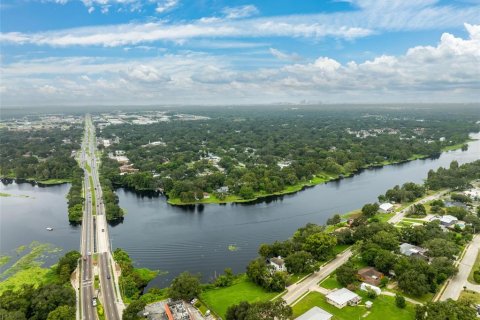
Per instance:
(94,52)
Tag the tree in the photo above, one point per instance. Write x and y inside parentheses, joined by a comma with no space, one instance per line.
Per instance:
(370,209)
(386,240)
(417,210)
(259,311)
(132,310)
(226,279)
(62,313)
(299,262)
(400,301)
(238,311)
(256,270)
(457,212)
(334,220)
(450,309)
(186,287)
(320,245)
(414,283)
(66,265)
(346,274)
(441,248)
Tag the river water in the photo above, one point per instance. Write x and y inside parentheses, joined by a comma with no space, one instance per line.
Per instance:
(174,239)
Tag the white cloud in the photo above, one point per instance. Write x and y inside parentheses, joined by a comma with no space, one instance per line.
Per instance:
(166,5)
(284,56)
(371,17)
(122,5)
(447,72)
(240,12)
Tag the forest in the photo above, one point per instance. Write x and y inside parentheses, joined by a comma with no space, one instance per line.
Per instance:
(241,154)
(39,154)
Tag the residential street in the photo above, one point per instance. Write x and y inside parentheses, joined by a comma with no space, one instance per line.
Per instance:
(456,284)
(310,284)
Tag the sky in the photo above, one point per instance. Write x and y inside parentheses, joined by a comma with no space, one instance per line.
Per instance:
(214,52)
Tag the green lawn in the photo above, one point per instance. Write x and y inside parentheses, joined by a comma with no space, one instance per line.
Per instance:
(383,308)
(384,217)
(219,299)
(471,295)
(475,267)
(331,283)
(54,181)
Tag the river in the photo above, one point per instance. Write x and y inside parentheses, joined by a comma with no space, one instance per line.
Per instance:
(200,239)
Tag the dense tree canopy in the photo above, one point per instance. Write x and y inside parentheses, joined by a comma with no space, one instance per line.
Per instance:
(266,151)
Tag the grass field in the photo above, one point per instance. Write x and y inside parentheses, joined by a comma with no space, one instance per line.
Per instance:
(470,295)
(219,299)
(383,308)
(475,267)
(330,283)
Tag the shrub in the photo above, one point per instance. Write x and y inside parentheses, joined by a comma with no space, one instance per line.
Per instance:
(400,301)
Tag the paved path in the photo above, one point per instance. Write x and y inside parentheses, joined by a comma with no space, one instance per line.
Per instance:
(295,291)
(401,214)
(391,294)
(455,285)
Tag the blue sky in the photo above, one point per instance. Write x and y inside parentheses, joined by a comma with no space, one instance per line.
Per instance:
(238,52)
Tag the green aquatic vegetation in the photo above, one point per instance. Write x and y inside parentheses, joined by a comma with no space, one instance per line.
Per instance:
(34,258)
(232,247)
(4,260)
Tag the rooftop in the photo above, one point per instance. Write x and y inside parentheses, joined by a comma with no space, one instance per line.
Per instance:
(315,314)
(342,296)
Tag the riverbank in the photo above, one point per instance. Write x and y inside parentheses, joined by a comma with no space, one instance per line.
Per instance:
(48,182)
(317,180)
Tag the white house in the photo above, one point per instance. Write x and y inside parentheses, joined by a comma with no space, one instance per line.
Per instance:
(278,264)
(385,207)
(409,250)
(315,313)
(365,287)
(446,220)
(342,297)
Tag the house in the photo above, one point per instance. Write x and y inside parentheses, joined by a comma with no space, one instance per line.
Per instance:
(127,168)
(365,287)
(315,313)
(278,264)
(342,297)
(223,189)
(410,250)
(385,207)
(448,220)
(370,275)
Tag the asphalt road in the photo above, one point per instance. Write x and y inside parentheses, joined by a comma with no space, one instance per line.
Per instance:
(100,238)
(456,284)
(87,289)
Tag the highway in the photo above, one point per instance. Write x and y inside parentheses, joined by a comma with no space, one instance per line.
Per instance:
(95,239)
(87,289)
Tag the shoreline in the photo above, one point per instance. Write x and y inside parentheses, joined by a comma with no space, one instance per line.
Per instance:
(232,199)
(305,185)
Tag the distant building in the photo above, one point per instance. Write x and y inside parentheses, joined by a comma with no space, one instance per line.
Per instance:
(410,250)
(223,189)
(370,275)
(278,263)
(385,207)
(342,297)
(315,313)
